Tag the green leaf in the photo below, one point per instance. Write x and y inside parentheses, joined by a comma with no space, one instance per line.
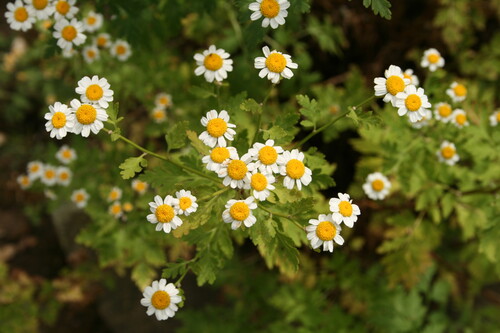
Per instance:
(274,133)
(379,7)
(250,105)
(132,165)
(309,109)
(176,136)
(202,92)
(142,274)
(174,269)
(197,143)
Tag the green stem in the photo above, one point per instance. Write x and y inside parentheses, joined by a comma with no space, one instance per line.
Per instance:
(213,195)
(259,117)
(288,217)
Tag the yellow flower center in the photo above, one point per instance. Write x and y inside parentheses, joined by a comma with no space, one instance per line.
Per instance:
(407,76)
(433,58)
(49,174)
(447,152)
(295,169)
(101,41)
(394,85)
(21,14)
(413,102)
(212,62)
(185,203)
(164,213)
(239,211)
(219,154)
(69,33)
(40,4)
(58,120)
(160,300)
(159,114)
(113,195)
(91,20)
(345,208)
(90,53)
(86,114)
(461,118)
(460,90)
(34,168)
(94,92)
(498,116)
(79,197)
(62,7)
(128,207)
(268,155)
(326,231)
(444,110)
(216,127)
(270,8)
(163,100)
(258,182)
(120,49)
(140,186)
(377,185)
(66,154)
(116,209)
(276,62)
(63,176)
(25,181)
(237,169)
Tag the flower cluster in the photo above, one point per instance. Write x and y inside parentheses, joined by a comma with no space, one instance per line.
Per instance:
(163,101)
(165,212)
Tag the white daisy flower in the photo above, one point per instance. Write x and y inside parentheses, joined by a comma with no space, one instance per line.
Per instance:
(35,169)
(213,63)
(115,194)
(218,129)
(90,54)
(447,153)
(49,175)
(66,155)
(235,172)
(95,91)
(377,186)
(164,214)
(103,40)
(161,299)
(267,156)
(186,203)
(393,84)
(163,100)
(219,155)
(408,74)
(159,115)
(240,211)
(414,102)
(343,210)
(93,21)
(139,186)
(88,118)
(64,175)
(65,9)
(69,33)
(495,118)
(274,65)
(261,183)
(432,59)
(442,112)
(457,92)
(422,122)
(43,8)
(274,12)
(324,231)
(294,170)
(24,181)
(116,209)
(20,16)
(459,118)
(60,121)
(121,50)
(80,198)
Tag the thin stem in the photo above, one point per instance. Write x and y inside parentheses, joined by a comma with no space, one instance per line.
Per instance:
(288,217)
(213,195)
(179,280)
(199,173)
(259,117)
(144,150)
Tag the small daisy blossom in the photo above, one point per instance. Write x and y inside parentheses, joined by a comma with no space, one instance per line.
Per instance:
(161,299)
(261,183)
(459,118)
(69,33)
(139,186)
(412,101)
(49,175)
(213,63)
(217,156)
(495,118)
(267,156)
(293,168)
(60,120)
(240,211)
(432,59)
(457,92)
(24,181)
(163,100)
(159,115)
(116,209)
(127,207)
(115,194)
(274,65)
(218,129)
(343,210)
(324,231)
(66,154)
(422,122)
(35,169)
(80,198)
(88,118)
(392,84)
(64,175)
(43,8)
(443,112)
(408,74)
(235,172)
(103,40)
(186,202)
(164,214)
(377,186)
(65,9)
(90,54)
(20,16)
(93,21)
(121,50)
(95,91)
(274,12)
(447,153)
